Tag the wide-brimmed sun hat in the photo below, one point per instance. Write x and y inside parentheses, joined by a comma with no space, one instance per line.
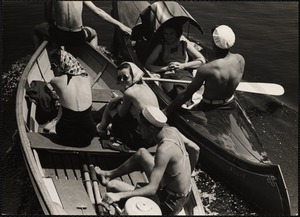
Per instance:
(155,116)
(223,37)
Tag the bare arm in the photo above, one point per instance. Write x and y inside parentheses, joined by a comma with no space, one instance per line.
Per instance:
(123,108)
(105,16)
(188,92)
(193,150)
(149,64)
(162,159)
(198,59)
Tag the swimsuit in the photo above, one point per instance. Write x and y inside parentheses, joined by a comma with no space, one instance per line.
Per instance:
(207,106)
(178,55)
(76,128)
(172,202)
(65,37)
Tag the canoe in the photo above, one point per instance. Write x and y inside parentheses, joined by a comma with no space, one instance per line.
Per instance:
(63,177)
(230,147)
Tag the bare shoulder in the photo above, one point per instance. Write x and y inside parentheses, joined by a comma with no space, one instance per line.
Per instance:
(239,57)
(165,147)
(58,81)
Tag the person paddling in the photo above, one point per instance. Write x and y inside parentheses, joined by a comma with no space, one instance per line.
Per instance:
(220,77)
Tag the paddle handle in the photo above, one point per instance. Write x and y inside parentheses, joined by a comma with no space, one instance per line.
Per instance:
(88,183)
(98,198)
(250,87)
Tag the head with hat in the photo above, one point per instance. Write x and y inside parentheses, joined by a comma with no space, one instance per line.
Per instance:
(223,37)
(129,74)
(151,121)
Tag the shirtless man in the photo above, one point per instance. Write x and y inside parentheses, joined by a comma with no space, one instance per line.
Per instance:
(123,111)
(75,125)
(169,171)
(220,77)
(67,25)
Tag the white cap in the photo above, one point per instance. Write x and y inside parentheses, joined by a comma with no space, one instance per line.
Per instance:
(224,37)
(155,116)
(141,206)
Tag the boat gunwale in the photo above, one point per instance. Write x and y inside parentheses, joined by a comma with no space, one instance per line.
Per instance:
(32,168)
(225,155)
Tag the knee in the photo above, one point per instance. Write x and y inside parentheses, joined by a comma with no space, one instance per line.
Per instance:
(112,186)
(141,152)
(93,32)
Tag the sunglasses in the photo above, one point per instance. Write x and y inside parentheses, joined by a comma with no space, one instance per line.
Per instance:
(53,66)
(121,78)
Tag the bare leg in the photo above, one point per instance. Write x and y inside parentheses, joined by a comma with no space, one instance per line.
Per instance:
(93,38)
(105,121)
(118,186)
(141,160)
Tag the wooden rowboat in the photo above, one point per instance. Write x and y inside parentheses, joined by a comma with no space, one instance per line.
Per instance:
(230,147)
(63,177)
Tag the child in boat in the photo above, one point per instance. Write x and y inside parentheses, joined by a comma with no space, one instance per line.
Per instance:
(169,171)
(75,126)
(123,111)
(174,56)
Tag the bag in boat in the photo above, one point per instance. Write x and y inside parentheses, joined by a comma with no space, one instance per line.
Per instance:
(46,101)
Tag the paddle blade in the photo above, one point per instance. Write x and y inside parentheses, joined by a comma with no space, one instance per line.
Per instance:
(261,88)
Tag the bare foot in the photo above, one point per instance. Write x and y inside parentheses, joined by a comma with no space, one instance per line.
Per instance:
(104,179)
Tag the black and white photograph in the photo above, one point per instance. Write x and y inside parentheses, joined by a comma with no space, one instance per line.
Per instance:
(149,107)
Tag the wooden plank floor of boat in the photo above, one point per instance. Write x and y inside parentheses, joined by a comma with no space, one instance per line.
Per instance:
(50,141)
(65,171)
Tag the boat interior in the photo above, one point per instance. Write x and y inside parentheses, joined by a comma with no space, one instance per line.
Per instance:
(68,172)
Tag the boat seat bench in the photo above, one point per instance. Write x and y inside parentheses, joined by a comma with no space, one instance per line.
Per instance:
(49,141)
(104,95)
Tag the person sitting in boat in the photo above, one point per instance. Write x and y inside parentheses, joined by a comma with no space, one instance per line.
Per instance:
(66,26)
(123,111)
(75,126)
(220,77)
(174,56)
(169,171)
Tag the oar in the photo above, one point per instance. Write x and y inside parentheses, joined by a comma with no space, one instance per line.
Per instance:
(251,87)
(88,183)
(100,206)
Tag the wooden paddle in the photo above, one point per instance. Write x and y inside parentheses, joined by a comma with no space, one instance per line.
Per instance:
(251,87)
(100,206)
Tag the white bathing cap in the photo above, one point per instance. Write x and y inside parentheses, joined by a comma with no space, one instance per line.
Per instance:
(155,116)
(224,37)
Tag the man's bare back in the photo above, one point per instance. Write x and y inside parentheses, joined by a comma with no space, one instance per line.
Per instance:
(68,13)
(220,77)
(224,73)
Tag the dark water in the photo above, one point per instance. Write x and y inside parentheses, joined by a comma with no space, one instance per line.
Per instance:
(267,36)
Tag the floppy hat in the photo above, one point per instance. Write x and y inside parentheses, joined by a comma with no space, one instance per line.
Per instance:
(155,116)
(224,37)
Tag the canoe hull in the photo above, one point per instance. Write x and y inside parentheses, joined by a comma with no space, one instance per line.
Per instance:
(248,171)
